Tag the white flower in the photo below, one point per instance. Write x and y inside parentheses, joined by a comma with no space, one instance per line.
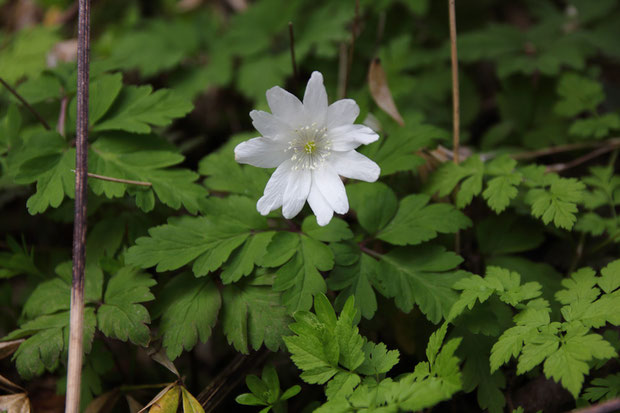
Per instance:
(311,144)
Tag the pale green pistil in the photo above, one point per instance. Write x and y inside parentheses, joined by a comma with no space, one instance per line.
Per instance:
(310,147)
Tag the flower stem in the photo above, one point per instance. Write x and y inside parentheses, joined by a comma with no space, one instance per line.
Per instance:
(26,104)
(76,315)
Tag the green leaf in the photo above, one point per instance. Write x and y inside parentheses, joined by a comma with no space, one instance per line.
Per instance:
(507,233)
(138,108)
(350,342)
(48,342)
(374,203)
(207,241)
(578,94)
(242,260)
(603,388)
(598,127)
(146,159)
(558,203)
(40,89)
(421,275)
(336,230)
(45,158)
(568,364)
(55,295)
(299,279)
(246,305)
(469,173)
(188,308)
(377,359)
(169,42)
(503,188)
(396,152)
(121,316)
(29,47)
(417,222)
(103,91)
(356,280)
(224,174)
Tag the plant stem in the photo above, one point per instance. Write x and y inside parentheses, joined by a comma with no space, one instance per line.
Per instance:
(351,49)
(455,84)
(456,118)
(76,325)
(605,407)
(559,167)
(292,41)
(119,180)
(614,142)
(26,104)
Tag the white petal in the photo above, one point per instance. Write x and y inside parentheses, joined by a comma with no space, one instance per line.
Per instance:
(348,137)
(285,106)
(342,112)
(331,187)
(354,165)
(296,192)
(274,191)
(315,99)
(319,205)
(268,125)
(261,152)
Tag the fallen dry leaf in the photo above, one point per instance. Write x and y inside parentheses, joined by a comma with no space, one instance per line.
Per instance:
(8,347)
(380,91)
(15,403)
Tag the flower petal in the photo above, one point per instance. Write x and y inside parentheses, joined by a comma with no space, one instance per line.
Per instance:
(285,106)
(354,165)
(315,99)
(348,137)
(296,192)
(331,187)
(342,112)
(272,197)
(261,152)
(319,205)
(268,125)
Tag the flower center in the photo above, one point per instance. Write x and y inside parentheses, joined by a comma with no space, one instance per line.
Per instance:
(309,146)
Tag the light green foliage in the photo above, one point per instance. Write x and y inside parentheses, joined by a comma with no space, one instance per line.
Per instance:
(252,315)
(469,174)
(507,285)
(208,240)
(556,201)
(603,388)
(122,316)
(430,382)
(265,391)
(564,348)
(602,195)
(170,42)
(188,308)
(329,349)
(25,54)
(502,188)
(579,94)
